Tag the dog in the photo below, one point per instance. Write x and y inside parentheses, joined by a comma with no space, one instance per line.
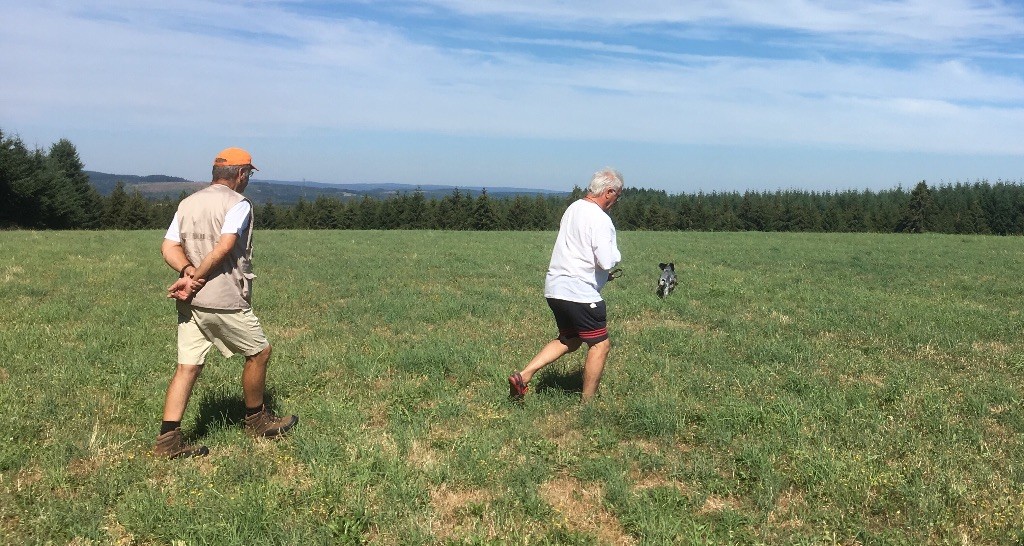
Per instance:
(667,282)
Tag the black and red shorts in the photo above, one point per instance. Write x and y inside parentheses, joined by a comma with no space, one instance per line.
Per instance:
(587,321)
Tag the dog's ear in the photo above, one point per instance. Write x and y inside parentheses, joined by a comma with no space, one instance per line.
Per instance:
(672,266)
(663,266)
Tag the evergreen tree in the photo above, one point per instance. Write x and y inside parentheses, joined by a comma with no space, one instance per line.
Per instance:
(302,215)
(915,216)
(518,216)
(414,212)
(52,197)
(268,216)
(15,167)
(115,210)
(326,212)
(160,213)
(540,215)
(137,211)
(442,214)
(484,217)
(366,214)
(85,207)
(460,210)
(390,212)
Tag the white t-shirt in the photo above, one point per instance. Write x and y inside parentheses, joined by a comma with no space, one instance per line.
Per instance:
(235,221)
(585,250)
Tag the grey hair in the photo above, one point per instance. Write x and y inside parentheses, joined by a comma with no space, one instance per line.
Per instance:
(605,179)
(229,172)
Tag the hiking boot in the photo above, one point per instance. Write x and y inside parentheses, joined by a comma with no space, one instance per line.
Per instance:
(267,425)
(171,446)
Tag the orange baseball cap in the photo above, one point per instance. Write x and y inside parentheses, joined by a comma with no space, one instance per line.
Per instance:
(233,156)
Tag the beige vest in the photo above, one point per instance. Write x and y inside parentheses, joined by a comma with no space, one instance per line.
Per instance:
(201,217)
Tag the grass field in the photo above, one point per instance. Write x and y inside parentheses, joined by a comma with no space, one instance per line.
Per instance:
(795,389)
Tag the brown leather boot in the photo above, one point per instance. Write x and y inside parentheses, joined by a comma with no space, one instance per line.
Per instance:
(171,446)
(267,425)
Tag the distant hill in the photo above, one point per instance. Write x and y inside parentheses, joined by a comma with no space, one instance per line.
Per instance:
(104,183)
(285,192)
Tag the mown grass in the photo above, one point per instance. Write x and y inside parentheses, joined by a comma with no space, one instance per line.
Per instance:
(795,389)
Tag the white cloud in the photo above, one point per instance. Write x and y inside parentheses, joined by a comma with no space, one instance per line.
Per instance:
(933,20)
(265,71)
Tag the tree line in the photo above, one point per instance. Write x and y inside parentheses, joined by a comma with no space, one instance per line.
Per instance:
(48,189)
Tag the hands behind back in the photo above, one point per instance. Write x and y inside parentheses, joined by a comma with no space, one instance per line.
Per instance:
(185,288)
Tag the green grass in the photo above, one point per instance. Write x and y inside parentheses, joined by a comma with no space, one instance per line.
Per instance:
(795,389)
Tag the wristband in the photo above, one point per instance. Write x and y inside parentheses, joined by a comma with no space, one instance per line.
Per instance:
(183,268)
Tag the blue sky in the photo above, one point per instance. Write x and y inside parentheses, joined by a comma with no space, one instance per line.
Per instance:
(691,96)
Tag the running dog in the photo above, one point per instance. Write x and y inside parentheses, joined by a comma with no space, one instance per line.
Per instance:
(667,282)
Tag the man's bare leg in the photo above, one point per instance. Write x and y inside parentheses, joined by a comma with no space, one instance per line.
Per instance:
(180,390)
(594,368)
(550,353)
(254,378)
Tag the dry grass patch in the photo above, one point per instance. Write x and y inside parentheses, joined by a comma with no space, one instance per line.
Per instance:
(27,477)
(382,442)
(991,347)
(458,512)
(13,273)
(561,431)
(119,536)
(788,506)
(643,481)
(582,509)
(869,379)
(714,504)
(293,475)
(422,456)
(650,479)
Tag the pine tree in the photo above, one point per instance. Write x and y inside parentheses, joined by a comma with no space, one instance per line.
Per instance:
(137,211)
(268,216)
(86,206)
(915,216)
(484,217)
(115,210)
(540,215)
(15,167)
(518,216)
(366,215)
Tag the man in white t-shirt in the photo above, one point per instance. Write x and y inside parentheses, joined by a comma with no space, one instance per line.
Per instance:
(585,252)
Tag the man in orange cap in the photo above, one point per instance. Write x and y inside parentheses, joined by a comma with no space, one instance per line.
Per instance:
(209,243)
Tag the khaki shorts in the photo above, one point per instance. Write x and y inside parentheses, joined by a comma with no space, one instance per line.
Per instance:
(232,332)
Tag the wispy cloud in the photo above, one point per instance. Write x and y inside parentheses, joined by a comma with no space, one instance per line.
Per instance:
(526,69)
(924,20)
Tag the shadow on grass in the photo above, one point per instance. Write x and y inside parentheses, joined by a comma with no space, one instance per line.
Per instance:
(565,382)
(220,409)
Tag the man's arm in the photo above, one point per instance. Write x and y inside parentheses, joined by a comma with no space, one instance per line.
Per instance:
(187,285)
(174,255)
(193,277)
(216,256)
(606,251)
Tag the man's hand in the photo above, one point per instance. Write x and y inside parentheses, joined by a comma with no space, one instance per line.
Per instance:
(185,288)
